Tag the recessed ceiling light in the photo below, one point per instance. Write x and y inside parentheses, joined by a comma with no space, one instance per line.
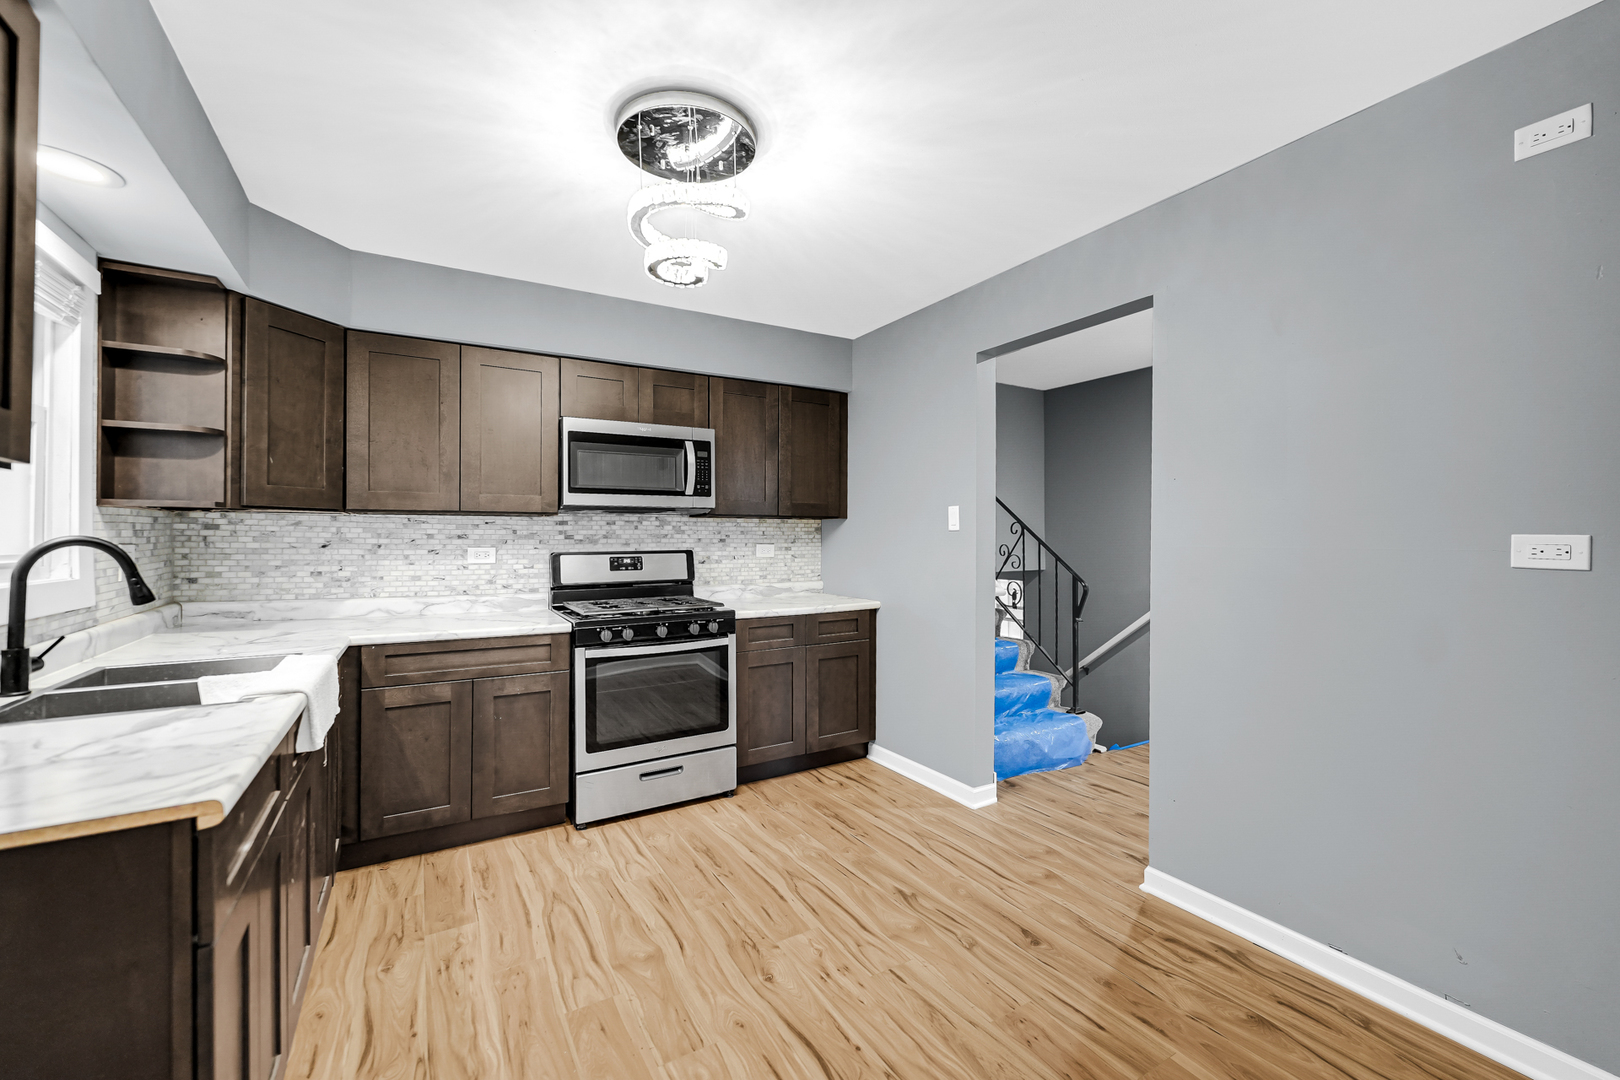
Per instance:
(77,167)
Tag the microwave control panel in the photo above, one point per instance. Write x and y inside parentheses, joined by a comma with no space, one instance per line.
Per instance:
(701,482)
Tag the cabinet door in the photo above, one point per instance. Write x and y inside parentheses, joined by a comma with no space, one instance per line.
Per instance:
(415,758)
(240,971)
(404,424)
(508,431)
(674,397)
(839,699)
(520,743)
(815,453)
(771,710)
(600,391)
(19,130)
(292,409)
(747,446)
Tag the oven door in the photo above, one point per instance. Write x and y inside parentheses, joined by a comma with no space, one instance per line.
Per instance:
(637,703)
(613,464)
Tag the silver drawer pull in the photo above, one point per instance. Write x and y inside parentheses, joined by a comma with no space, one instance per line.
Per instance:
(663,772)
(252,837)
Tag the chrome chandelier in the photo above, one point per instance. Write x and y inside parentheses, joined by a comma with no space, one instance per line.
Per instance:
(695,145)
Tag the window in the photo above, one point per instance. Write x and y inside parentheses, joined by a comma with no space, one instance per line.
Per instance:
(50,497)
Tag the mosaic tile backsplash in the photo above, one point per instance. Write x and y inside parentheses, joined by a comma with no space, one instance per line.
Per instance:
(195,555)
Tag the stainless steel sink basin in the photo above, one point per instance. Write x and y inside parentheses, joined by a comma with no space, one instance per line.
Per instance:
(176,672)
(56,705)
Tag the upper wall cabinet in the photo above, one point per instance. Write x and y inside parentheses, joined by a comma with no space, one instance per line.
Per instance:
(292,409)
(601,391)
(19,128)
(674,397)
(404,424)
(815,452)
(508,431)
(746,417)
(166,371)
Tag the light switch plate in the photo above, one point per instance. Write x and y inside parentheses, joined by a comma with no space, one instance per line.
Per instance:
(1551,551)
(481,556)
(1553,132)
(764,551)
(953,518)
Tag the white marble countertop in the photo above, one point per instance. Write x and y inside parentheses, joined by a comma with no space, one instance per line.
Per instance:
(97,774)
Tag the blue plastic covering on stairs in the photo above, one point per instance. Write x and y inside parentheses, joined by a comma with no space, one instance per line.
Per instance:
(1031,736)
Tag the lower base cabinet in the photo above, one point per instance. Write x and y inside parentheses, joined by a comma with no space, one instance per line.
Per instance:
(805,686)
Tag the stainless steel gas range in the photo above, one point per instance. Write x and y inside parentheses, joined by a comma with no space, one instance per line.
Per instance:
(655,701)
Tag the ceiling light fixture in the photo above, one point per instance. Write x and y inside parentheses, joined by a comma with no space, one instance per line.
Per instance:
(73,166)
(697,144)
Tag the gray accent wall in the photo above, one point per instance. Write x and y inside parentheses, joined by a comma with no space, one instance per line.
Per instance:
(1379,351)
(1021,452)
(1098,471)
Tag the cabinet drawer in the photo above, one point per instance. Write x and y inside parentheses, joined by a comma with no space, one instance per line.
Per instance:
(778,633)
(837,626)
(443,661)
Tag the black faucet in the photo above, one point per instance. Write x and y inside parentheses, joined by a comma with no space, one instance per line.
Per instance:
(15,663)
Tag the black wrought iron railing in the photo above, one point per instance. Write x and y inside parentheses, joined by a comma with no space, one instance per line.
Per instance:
(1043,597)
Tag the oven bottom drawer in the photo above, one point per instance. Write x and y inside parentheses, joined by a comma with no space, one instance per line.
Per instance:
(660,782)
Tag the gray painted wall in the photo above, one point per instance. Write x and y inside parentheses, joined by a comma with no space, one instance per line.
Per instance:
(1021,452)
(1099,460)
(1378,352)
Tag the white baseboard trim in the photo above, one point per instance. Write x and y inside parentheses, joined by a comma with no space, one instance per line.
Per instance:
(971,797)
(1455,1022)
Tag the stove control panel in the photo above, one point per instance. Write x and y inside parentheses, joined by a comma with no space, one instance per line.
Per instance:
(648,631)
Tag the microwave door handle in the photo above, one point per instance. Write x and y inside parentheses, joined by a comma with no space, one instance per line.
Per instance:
(691,468)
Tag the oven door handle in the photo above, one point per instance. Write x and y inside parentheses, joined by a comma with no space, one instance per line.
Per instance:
(691,468)
(662,647)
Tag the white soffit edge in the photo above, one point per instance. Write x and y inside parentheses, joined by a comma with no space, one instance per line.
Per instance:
(1096,352)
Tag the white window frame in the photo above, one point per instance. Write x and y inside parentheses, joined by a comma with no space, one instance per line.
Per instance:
(73,587)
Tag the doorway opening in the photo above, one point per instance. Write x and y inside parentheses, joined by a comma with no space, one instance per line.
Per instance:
(1073,444)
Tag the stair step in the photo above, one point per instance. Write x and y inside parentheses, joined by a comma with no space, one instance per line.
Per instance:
(1024,691)
(1006,655)
(1040,741)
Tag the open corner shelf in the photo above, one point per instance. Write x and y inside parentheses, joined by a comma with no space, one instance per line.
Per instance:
(136,351)
(144,425)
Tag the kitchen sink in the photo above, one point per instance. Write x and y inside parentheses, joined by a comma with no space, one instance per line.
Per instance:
(58,704)
(175,672)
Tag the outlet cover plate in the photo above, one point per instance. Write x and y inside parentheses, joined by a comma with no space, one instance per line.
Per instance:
(764,551)
(1553,132)
(1551,551)
(480,556)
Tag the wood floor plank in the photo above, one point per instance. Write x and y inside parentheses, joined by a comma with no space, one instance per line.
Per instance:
(843,922)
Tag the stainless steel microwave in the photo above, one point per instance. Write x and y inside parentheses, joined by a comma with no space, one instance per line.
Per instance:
(613,465)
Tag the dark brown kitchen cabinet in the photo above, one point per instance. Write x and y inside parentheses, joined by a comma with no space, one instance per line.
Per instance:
(815,450)
(292,409)
(770,705)
(805,687)
(416,757)
(601,391)
(239,980)
(746,418)
(674,397)
(509,403)
(520,743)
(404,423)
(19,130)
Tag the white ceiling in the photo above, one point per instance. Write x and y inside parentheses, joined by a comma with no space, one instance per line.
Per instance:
(910,147)
(1093,353)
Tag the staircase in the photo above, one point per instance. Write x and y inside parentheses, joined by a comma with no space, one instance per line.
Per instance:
(1033,733)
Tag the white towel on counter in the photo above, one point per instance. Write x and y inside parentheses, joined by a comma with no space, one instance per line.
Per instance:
(313,676)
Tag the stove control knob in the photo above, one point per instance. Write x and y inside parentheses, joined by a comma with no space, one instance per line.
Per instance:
(663,631)
(714,628)
(628,634)
(694,629)
(607,635)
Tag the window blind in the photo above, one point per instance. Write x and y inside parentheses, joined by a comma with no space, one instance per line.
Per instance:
(56,295)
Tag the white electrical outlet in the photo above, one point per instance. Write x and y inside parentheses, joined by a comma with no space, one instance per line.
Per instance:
(764,551)
(1553,132)
(953,518)
(481,556)
(1538,551)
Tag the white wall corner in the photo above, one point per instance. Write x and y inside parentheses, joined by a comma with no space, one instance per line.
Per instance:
(971,797)
(1496,1041)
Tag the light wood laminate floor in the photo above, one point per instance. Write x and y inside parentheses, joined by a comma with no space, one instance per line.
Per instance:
(841,923)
